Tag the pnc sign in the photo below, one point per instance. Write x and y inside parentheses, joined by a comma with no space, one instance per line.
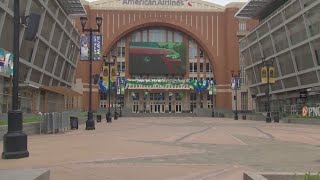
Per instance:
(310,111)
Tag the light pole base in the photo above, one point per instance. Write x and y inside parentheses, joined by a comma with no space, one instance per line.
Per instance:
(268,119)
(109,118)
(116,116)
(236,117)
(15,141)
(90,122)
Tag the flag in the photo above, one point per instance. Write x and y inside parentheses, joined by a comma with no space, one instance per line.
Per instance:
(189,3)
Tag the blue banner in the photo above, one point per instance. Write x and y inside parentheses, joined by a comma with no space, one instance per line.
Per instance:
(236,83)
(85,47)
(97,46)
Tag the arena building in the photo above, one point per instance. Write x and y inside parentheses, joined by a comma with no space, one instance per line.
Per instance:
(289,35)
(49,50)
(159,47)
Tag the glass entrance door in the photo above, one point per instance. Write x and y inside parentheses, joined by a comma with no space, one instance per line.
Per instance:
(178,108)
(135,107)
(157,108)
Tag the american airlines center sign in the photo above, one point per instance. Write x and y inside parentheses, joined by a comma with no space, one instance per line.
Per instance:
(310,111)
(157,2)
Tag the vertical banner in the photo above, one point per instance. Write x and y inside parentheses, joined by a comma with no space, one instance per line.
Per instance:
(233,83)
(113,72)
(84,50)
(236,83)
(2,57)
(85,47)
(271,75)
(105,76)
(9,62)
(97,46)
(123,85)
(264,74)
(118,85)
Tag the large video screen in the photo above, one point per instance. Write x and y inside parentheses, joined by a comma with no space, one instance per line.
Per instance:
(157,58)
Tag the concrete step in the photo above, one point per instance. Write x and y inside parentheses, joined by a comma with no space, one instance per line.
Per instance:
(25,174)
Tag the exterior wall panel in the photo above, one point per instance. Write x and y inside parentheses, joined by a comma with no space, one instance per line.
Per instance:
(214,31)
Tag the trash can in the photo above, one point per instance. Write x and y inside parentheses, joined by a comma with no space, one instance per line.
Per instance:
(74,123)
(276,117)
(99,118)
(109,118)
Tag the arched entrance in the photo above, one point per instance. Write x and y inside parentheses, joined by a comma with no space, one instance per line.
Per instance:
(149,92)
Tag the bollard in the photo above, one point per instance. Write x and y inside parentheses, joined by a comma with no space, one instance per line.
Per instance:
(98,118)
(109,118)
(276,118)
(74,123)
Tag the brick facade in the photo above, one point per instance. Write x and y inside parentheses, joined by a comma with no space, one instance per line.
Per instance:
(215,32)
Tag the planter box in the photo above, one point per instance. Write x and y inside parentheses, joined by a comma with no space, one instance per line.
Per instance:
(302,121)
(273,176)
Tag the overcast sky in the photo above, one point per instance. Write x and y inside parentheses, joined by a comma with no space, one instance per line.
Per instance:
(221,2)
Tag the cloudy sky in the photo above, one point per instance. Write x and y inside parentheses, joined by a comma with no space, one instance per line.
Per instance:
(221,2)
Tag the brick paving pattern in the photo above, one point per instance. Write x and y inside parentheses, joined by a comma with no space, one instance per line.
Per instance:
(173,148)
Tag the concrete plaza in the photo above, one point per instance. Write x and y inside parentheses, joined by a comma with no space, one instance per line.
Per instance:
(173,148)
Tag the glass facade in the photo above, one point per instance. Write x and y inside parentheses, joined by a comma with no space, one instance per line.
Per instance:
(48,60)
(290,36)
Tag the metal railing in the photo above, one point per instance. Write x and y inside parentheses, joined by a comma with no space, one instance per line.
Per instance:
(55,122)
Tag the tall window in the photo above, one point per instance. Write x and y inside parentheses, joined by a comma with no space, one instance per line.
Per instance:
(242,26)
(192,49)
(178,37)
(201,67)
(243,72)
(244,101)
(136,36)
(170,36)
(201,53)
(157,35)
(193,96)
(145,36)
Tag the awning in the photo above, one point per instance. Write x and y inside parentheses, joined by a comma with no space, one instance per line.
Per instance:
(72,7)
(61,90)
(259,9)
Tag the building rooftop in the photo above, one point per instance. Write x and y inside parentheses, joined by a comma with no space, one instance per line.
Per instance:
(259,9)
(72,7)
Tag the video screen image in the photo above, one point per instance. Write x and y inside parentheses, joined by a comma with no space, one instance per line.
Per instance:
(157,58)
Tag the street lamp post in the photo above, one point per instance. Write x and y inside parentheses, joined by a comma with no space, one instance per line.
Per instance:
(120,103)
(212,97)
(109,61)
(268,64)
(15,141)
(236,77)
(116,114)
(90,122)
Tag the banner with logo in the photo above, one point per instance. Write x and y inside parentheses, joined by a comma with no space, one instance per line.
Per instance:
(2,57)
(97,46)
(85,47)
(310,111)
(271,75)
(264,75)
(235,83)
(6,62)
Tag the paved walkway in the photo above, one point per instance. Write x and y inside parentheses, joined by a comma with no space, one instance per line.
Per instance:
(173,148)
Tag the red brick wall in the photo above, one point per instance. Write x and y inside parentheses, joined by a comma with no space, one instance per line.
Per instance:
(215,32)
